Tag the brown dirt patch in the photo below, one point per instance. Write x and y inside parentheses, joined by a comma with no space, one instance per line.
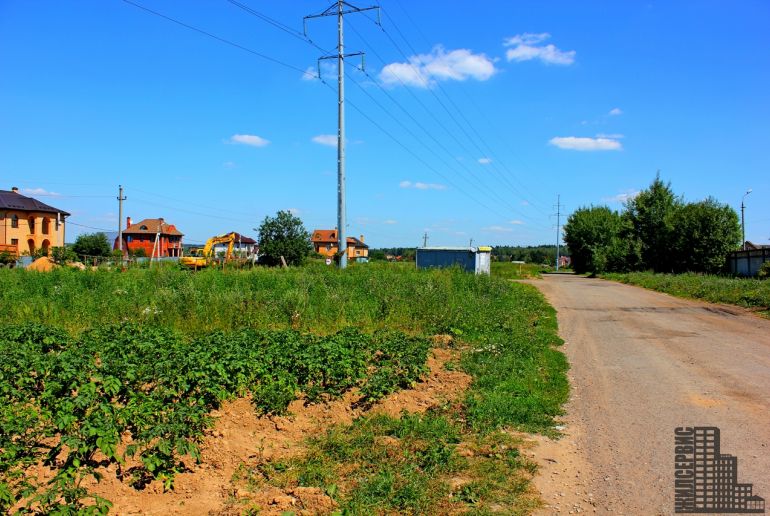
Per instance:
(239,437)
(43,264)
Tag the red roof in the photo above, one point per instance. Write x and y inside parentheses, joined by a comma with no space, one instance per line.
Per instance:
(324,235)
(150,226)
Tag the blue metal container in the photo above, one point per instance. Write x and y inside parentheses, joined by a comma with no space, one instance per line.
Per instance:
(471,259)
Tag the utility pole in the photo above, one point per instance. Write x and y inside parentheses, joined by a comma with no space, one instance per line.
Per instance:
(340,8)
(121,198)
(425,239)
(471,243)
(743,224)
(558,228)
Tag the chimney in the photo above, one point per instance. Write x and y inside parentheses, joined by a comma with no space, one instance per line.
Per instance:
(15,189)
(362,238)
(128,222)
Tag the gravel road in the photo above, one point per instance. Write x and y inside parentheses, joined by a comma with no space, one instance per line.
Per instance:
(642,364)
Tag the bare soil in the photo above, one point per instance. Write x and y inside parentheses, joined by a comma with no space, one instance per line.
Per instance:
(240,437)
(642,364)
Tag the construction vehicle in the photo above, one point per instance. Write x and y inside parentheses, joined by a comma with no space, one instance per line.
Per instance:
(203,257)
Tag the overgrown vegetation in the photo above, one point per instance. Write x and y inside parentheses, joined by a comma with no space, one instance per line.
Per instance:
(284,236)
(183,342)
(508,270)
(657,231)
(748,292)
(70,402)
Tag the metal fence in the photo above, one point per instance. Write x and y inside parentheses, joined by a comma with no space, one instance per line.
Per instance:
(747,263)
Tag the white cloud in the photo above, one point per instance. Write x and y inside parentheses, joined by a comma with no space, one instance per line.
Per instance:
(527,46)
(249,139)
(485,161)
(421,186)
(390,222)
(516,222)
(585,144)
(497,229)
(294,211)
(424,70)
(39,191)
(612,136)
(310,74)
(622,197)
(616,111)
(330,140)
(328,71)
(229,164)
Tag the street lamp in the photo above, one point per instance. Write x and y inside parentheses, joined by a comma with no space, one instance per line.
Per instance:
(743,223)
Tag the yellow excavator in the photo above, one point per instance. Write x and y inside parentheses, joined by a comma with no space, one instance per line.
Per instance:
(203,257)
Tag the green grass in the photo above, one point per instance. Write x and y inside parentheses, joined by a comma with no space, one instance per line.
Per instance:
(506,331)
(747,292)
(510,270)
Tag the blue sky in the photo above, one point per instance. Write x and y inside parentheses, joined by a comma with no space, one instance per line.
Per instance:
(468,121)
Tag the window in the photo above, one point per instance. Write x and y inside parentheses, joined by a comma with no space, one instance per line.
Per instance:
(143,227)
(46,226)
(14,241)
(328,247)
(358,252)
(14,221)
(32,225)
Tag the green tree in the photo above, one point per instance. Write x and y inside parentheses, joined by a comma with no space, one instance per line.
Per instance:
(652,214)
(62,255)
(596,240)
(284,235)
(705,232)
(92,244)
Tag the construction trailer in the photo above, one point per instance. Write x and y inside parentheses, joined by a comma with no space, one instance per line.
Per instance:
(471,259)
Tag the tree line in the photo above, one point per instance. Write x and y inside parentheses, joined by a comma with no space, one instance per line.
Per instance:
(657,230)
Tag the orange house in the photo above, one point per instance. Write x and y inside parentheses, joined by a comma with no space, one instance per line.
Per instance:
(325,243)
(27,225)
(142,235)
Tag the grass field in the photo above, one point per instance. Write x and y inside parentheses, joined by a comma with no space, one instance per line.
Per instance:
(751,293)
(87,357)
(510,270)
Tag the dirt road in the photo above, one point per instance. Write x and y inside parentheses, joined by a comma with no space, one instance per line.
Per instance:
(643,363)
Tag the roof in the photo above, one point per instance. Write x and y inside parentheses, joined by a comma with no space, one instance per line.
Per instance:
(330,236)
(324,235)
(242,239)
(151,227)
(10,200)
(751,245)
(467,249)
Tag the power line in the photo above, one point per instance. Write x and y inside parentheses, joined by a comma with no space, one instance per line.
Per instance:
(429,133)
(218,38)
(443,105)
(285,28)
(88,227)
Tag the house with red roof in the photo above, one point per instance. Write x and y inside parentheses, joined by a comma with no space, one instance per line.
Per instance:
(325,242)
(153,236)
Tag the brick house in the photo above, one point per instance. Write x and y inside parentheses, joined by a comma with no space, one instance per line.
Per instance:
(141,235)
(28,225)
(325,243)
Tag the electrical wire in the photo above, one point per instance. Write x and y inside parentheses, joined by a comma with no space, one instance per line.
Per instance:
(285,28)
(218,38)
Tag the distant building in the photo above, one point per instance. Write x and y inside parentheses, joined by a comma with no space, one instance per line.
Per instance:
(28,225)
(471,259)
(325,243)
(244,246)
(142,235)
